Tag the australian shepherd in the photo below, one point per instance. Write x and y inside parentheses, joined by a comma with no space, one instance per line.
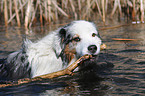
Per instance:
(54,52)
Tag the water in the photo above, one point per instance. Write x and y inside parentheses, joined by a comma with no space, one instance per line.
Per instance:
(121,70)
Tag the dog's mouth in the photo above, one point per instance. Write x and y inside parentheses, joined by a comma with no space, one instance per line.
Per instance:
(94,58)
(89,63)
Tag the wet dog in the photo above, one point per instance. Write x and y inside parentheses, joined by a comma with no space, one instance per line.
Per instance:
(54,52)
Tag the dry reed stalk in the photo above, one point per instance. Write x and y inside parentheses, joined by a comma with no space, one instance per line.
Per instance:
(98,8)
(116,4)
(5,12)
(103,9)
(28,12)
(11,18)
(2,1)
(120,11)
(88,9)
(34,13)
(79,5)
(73,8)
(106,6)
(41,14)
(55,4)
(56,14)
(80,8)
(142,10)
(45,11)
(115,7)
(22,15)
(10,9)
(49,10)
(64,4)
(133,11)
(24,1)
(17,14)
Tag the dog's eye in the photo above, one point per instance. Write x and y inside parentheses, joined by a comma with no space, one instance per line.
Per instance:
(77,39)
(93,35)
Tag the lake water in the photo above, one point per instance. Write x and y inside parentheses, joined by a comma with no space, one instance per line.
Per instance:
(121,70)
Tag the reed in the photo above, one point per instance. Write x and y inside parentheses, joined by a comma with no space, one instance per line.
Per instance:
(6,12)
(16,11)
(29,12)
(142,10)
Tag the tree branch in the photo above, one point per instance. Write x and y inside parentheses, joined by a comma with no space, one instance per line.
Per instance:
(67,71)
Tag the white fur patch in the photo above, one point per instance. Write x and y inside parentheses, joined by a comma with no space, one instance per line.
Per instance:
(42,55)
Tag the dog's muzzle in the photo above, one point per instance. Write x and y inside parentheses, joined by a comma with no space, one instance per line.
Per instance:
(92,49)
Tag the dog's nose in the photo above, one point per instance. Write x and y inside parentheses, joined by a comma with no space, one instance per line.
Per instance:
(92,48)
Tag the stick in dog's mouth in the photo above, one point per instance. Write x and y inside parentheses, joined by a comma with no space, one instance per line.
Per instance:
(67,71)
(103,46)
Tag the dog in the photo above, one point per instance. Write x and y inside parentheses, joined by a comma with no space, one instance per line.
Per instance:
(54,52)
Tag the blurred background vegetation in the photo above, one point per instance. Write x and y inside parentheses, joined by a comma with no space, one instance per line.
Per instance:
(28,13)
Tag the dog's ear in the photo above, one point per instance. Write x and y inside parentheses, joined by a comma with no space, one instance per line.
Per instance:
(62,33)
(59,43)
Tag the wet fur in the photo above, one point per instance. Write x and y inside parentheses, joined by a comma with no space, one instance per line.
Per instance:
(52,53)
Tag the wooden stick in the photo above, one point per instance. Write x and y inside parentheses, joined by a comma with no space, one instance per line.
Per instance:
(123,39)
(103,46)
(67,71)
(106,28)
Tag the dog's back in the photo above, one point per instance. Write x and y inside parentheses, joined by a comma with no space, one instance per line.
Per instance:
(54,52)
(16,65)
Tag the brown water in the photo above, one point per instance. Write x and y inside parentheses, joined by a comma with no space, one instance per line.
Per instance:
(122,71)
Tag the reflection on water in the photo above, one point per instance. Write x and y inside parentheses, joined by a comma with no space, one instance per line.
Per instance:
(120,70)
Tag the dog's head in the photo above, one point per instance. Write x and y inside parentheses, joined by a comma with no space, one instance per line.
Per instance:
(80,38)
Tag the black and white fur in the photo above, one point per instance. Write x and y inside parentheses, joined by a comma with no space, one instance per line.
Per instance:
(48,54)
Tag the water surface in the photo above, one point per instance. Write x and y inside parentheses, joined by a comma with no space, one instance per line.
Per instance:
(121,70)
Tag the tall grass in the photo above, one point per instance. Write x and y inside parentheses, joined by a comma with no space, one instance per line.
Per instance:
(28,12)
